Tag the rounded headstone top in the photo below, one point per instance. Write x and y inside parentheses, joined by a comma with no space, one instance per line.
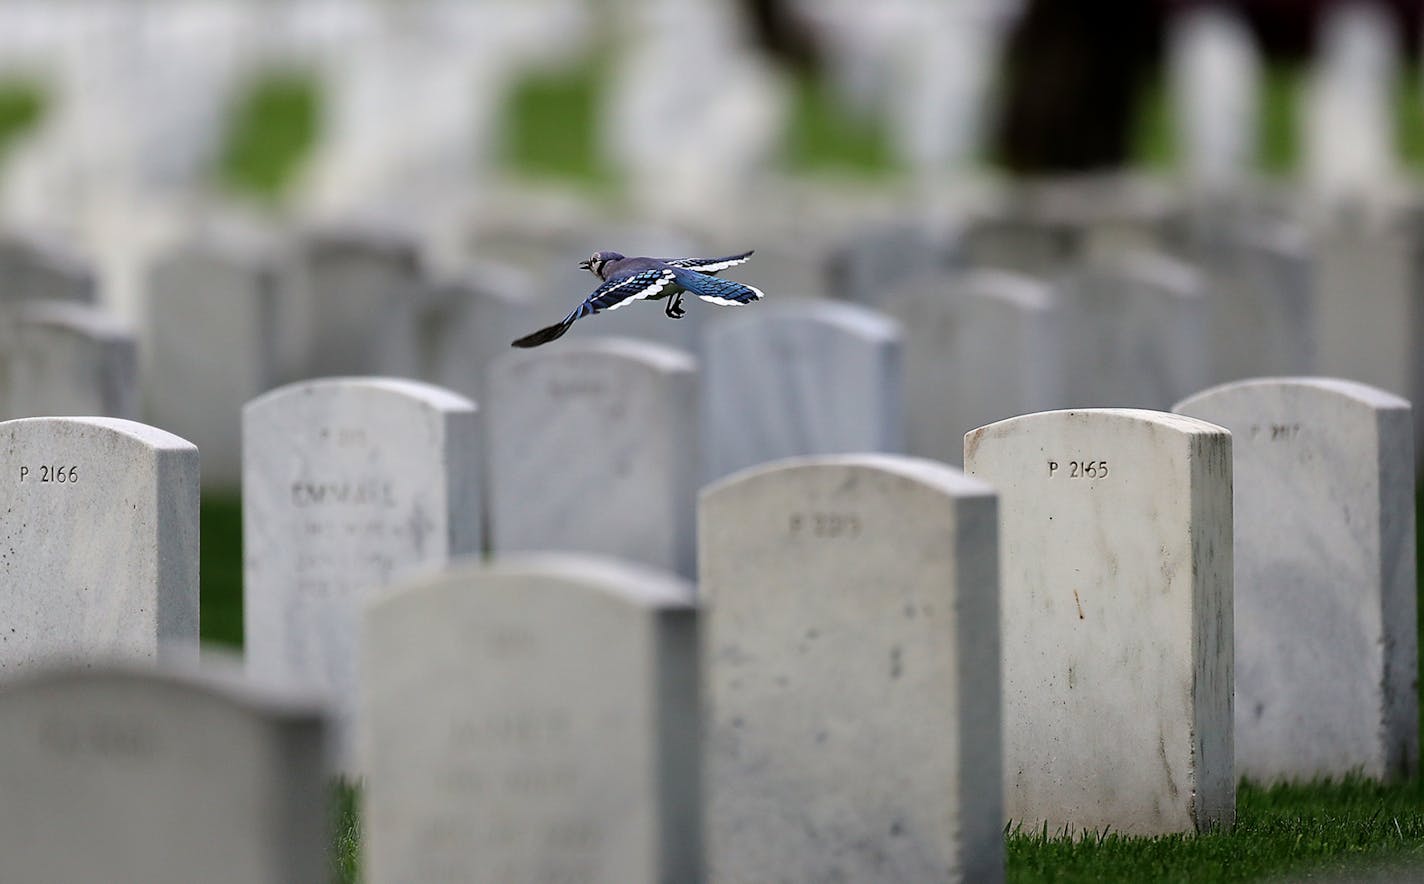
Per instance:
(850,319)
(148,436)
(1363,394)
(930,473)
(75,317)
(1177,423)
(430,395)
(659,357)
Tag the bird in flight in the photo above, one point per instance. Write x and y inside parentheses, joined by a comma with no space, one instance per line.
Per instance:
(626,280)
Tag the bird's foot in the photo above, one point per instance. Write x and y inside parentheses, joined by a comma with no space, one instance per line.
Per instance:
(675,309)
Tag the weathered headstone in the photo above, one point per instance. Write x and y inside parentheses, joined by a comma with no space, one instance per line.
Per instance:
(1326,645)
(1116,601)
(211,346)
(166,777)
(593,447)
(68,359)
(100,533)
(979,347)
(798,379)
(533,720)
(851,665)
(347,484)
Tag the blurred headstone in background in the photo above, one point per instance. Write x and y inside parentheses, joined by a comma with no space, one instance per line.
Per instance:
(1215,73)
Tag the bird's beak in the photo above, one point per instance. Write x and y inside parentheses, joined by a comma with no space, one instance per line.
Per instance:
(586,264)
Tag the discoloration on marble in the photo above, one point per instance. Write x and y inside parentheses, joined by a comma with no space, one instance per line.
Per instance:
(533,720)
(851,657)
(800,379)
(1326,649)
(1121,717)
(348,484)
(98,540)
(594,448)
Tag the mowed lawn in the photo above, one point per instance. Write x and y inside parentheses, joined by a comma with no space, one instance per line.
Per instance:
(1321,831)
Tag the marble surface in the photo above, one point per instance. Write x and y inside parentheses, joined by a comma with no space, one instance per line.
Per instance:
(1116,613)
(593,447)
(100,524)
(475,313)
(979,346)
(799,379)
(111,773)
(210,346)
(69,359)
(1326,644)
(36,266)
(348,484)
(532,720)
(851,668)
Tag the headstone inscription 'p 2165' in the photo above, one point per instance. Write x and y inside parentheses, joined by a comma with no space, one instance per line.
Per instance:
(165,777)
(533,720)
(1116,527)
(593,448)
(851,664)
(99,524)
(347,483)
(1326,648)
(800,379)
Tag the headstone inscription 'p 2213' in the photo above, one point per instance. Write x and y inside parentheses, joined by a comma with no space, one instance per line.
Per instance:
(851,664)
(530,721)
(99,530)
(1326,644)
(164,777)
(347,483)
(1116,527)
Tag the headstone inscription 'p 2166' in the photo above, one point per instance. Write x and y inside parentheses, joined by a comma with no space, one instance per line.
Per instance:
(800,379)
(347,483)
(593,448)
(1116,527)
(533,720)
(851,664)
(99,523)
(1326,650)
(165,777)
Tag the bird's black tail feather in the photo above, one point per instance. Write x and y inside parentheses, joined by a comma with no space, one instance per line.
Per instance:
(545,335)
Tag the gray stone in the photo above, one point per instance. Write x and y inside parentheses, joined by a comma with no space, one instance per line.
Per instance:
(1116,528)
(38,267)
(100,533)
(979,347)
(472,319)
(69,359)
(593,447)
(533,720)
(211,346)
(166,777)
(797,379)
(347,485)
(851,665)
(1326,644)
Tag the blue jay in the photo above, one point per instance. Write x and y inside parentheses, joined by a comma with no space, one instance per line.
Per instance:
(626,280)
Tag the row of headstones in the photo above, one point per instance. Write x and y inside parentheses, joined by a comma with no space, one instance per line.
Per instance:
(540,718)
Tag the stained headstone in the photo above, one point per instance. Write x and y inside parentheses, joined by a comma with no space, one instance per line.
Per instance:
(979,347)
(211,346)
(1116,613)
(532,720)
(1326,645)
(100,528)
(851,665)
(797,379)
(69,359)
(347,484)
(593,447)
(166,777)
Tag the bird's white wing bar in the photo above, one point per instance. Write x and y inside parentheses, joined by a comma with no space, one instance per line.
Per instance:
(756,295)
(709,265)
(635,288)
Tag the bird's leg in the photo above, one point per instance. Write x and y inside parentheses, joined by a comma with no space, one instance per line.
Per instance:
(674,309)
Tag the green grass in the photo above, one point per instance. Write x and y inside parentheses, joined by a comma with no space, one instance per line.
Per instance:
(550,126)
(272,133)
(21,106)
(822,136)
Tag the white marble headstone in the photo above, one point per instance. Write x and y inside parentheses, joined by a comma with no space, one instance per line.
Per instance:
(36,266)
(211,346)
(797,379)
(851,669)
(532,720)
(162,776)
(473,317)
(1326,644)
(593,447)
(1116,601)
(100,527)
(68,359)
(347,485)
(1215,71)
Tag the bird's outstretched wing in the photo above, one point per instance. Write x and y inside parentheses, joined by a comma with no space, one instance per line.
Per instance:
(611,295)
(708,265)
(726,292)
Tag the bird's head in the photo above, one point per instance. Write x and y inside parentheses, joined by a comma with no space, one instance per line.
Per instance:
(598,261)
